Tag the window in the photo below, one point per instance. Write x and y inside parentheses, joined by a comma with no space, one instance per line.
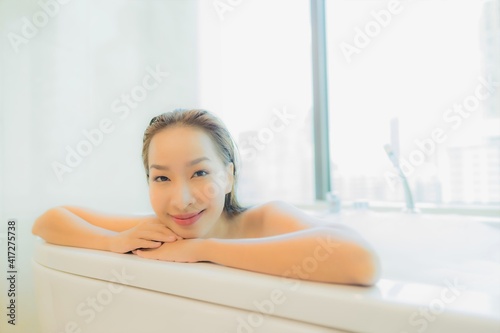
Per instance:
(423,76)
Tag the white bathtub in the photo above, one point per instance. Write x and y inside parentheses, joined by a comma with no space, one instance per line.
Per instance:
(440,274)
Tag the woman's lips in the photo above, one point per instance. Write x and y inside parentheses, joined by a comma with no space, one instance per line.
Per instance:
(186,219)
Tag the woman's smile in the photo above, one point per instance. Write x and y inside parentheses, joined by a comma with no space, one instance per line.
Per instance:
(187,219)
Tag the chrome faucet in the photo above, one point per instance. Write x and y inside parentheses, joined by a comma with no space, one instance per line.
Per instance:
(410,204)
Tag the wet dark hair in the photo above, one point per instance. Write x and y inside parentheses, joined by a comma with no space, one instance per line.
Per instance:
(214,128)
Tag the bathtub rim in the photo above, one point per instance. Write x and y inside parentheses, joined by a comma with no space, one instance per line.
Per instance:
(380,307)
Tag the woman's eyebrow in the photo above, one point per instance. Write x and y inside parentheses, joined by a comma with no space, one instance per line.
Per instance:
(193,162)
(198,160)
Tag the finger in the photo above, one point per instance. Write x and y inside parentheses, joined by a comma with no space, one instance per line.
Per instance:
(147,244)
(166,231)
(157,236)
(149,254)
(160,227)
(141,253)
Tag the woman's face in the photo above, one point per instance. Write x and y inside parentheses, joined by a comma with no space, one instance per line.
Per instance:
(187,180)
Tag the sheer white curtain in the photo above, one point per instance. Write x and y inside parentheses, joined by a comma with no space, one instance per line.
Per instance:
(78,94)
(79,83)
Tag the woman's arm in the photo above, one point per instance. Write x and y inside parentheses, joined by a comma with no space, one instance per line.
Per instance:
(301,246)
(291,243)
(72,226)
(316,254)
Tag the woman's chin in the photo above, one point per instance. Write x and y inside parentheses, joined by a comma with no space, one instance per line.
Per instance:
(188,235)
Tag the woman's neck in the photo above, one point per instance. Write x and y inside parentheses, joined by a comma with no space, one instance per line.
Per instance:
(227,227)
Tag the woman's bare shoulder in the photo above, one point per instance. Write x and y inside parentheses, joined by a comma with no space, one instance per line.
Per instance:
(274,218)
(277,217)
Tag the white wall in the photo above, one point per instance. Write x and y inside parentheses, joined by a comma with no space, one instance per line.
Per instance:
(67,77)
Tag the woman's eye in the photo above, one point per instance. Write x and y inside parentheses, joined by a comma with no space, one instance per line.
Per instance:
(200,173)
(161,179)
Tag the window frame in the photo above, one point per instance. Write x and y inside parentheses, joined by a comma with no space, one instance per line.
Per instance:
(322,165)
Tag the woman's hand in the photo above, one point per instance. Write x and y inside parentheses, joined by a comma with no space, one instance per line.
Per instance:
(149,234)
(185,250)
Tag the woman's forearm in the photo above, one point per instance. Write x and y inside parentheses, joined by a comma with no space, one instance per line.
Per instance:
(62,227)
(314,254)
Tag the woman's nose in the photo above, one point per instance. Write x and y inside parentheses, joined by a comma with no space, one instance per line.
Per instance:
(183,196)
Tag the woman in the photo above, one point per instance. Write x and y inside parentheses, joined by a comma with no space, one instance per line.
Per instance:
(190,163)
